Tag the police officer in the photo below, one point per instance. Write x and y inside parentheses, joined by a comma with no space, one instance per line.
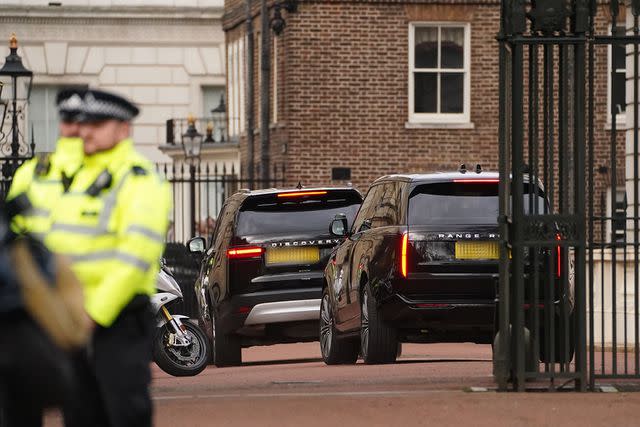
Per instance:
(111,224)
(45,177)
(35,369)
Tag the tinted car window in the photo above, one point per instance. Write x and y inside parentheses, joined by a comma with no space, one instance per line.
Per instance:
(271,216)
(459,203)
(367,209)
(387,211)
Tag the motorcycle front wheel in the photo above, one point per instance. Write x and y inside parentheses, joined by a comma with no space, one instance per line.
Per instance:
(181,361)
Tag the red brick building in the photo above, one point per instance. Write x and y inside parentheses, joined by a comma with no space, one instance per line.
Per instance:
(383,86)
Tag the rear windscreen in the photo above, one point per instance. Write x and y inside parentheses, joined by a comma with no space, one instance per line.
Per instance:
(462,203)
(269,215)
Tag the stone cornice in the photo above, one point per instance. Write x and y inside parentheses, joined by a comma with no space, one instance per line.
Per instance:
(92,15)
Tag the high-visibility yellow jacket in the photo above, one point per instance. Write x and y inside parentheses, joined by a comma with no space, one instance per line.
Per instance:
(111,223)
(43,179)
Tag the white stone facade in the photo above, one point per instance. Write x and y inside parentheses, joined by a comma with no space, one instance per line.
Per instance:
(160,53)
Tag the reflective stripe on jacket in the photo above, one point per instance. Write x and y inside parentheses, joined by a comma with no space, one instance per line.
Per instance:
(111,224)
(41,179)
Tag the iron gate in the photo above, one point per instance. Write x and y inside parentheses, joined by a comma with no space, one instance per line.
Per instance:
(569,274)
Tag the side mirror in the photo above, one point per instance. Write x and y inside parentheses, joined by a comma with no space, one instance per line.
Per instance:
(197,245)
(339,226)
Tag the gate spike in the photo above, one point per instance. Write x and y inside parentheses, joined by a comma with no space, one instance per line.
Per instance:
(207,170)
(224,169)
(233,169)
(215,169)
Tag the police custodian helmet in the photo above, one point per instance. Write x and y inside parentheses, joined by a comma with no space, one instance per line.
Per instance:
(69,103)
(99,105)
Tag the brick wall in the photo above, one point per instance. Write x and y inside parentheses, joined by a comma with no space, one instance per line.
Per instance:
(343,91)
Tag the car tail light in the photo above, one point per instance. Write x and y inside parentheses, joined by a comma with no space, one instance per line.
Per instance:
(559,257)
(302,193)
(403,254)
(432,305)
(243,309)
(245,252)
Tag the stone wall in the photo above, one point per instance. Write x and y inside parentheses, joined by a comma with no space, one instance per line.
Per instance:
(159,56)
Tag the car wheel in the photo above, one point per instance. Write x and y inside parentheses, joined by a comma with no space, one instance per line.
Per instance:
(335,351)
(205,323)
(378,341)
(225,348)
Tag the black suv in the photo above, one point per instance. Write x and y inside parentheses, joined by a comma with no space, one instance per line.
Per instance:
(261,278)
(420,264)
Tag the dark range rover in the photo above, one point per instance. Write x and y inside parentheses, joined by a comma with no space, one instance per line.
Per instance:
(420,264)
(261,277)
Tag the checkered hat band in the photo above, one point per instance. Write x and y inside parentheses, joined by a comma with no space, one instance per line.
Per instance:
(105,109)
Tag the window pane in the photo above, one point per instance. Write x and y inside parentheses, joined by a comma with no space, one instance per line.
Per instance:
(426,92)
(211,96)
(43,117)
(618,93)
(619,57)
(426,47)
(452,48)
(452,89)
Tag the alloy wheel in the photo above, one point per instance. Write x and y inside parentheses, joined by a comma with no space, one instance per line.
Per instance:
(326,327)
(364,326)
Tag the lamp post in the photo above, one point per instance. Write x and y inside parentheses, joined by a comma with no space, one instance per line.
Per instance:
(18,79)
(219,117)
(192,144)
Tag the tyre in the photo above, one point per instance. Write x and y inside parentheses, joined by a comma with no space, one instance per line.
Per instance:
(334,351)
(378,341)
(181,361)
(225,348)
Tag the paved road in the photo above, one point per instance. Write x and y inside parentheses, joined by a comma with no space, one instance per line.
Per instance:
(288,385)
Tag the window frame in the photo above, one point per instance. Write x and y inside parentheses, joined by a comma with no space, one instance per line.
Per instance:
(621,118)
(457,118)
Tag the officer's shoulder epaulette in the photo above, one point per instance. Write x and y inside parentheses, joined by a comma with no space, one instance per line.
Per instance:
(139,170)
(43,163)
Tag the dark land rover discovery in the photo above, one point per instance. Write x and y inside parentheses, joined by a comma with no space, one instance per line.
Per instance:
(420,264)
(261,275)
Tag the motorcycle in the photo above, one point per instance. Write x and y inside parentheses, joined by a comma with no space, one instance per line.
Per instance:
(180,347)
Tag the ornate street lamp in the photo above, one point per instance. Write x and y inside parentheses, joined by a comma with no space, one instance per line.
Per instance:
(191,141)
(192,144)
(17,81)
(220,118)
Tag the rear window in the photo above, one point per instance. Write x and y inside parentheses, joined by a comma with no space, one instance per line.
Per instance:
(461,203)
(308,214)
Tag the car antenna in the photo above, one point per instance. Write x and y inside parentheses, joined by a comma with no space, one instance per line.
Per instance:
(299,186)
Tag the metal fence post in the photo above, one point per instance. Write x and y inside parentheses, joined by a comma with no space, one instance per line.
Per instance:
(192,197)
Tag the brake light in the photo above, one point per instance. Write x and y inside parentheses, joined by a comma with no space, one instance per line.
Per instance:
(476,181)
(403,254)
(432,305)
(245,252)
(303,193)
(559,257)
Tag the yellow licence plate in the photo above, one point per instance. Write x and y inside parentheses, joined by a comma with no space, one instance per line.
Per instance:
(477,250)
(292,255)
